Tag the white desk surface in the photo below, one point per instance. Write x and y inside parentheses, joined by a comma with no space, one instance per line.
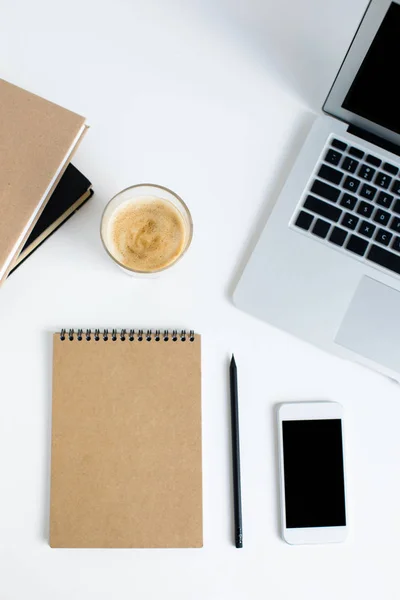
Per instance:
(211,98)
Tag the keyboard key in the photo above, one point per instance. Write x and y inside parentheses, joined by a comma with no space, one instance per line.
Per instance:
(333,157)
(383,180)
(390,168)
(366,172)
(350,164)
(396,207)
(322,208)
(351,184)
(396,244)
(325,190)
(384,258)
(382,217)
(385,199)
(366,228)
(349,201)
(396,187)
(357,245)
(395,224)
(330,174)
(349,221)
(338,236)
(383,237)
(356,152)
(365,209)
(373,160)
(368,191)
(338,144)
(321,228)
(304,220)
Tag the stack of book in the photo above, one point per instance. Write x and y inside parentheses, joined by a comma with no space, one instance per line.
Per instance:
(39,188)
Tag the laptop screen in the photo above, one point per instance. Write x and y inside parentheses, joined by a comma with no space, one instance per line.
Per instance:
(374,91)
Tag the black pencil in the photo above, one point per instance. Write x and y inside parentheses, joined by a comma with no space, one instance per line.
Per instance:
(237,493)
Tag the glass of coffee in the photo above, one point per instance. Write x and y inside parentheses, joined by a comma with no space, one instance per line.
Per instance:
(146,229)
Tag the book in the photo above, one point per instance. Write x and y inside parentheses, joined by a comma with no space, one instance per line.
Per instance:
(126,459)
(71,193)
(38,139)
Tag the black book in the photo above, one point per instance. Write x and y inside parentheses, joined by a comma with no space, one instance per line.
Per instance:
(72,191)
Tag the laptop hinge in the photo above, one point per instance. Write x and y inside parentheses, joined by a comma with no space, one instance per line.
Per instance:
(374,139)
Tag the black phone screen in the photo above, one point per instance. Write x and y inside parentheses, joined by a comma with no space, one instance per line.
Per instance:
(313,473)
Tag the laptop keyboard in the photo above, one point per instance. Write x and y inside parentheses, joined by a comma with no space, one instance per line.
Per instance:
(353,204)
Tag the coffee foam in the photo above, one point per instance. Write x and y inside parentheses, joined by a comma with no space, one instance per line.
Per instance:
(146,234)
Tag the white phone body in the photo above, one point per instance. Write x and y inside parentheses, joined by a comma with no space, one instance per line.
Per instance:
(300,425)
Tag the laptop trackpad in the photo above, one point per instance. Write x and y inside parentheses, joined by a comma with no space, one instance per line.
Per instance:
(371,326)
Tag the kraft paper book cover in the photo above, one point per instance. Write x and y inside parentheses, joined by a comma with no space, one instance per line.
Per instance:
(126,467)
(37,141)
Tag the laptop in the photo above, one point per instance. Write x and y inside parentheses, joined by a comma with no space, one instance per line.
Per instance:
(327,265)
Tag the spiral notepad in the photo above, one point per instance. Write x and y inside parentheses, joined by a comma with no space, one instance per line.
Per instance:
(126,466)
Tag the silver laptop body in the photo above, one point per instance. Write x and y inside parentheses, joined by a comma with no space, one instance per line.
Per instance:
(327,265)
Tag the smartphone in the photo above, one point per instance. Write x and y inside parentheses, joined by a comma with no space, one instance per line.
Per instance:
(312,472)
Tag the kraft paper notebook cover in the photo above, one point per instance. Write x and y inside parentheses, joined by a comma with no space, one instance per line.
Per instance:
(37,140)
(126,468)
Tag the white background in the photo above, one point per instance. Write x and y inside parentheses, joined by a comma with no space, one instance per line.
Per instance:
(211,98)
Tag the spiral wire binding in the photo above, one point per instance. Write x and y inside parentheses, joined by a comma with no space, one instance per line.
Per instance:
(133,335)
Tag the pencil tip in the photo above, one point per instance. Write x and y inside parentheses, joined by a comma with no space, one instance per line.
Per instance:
(233,362)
